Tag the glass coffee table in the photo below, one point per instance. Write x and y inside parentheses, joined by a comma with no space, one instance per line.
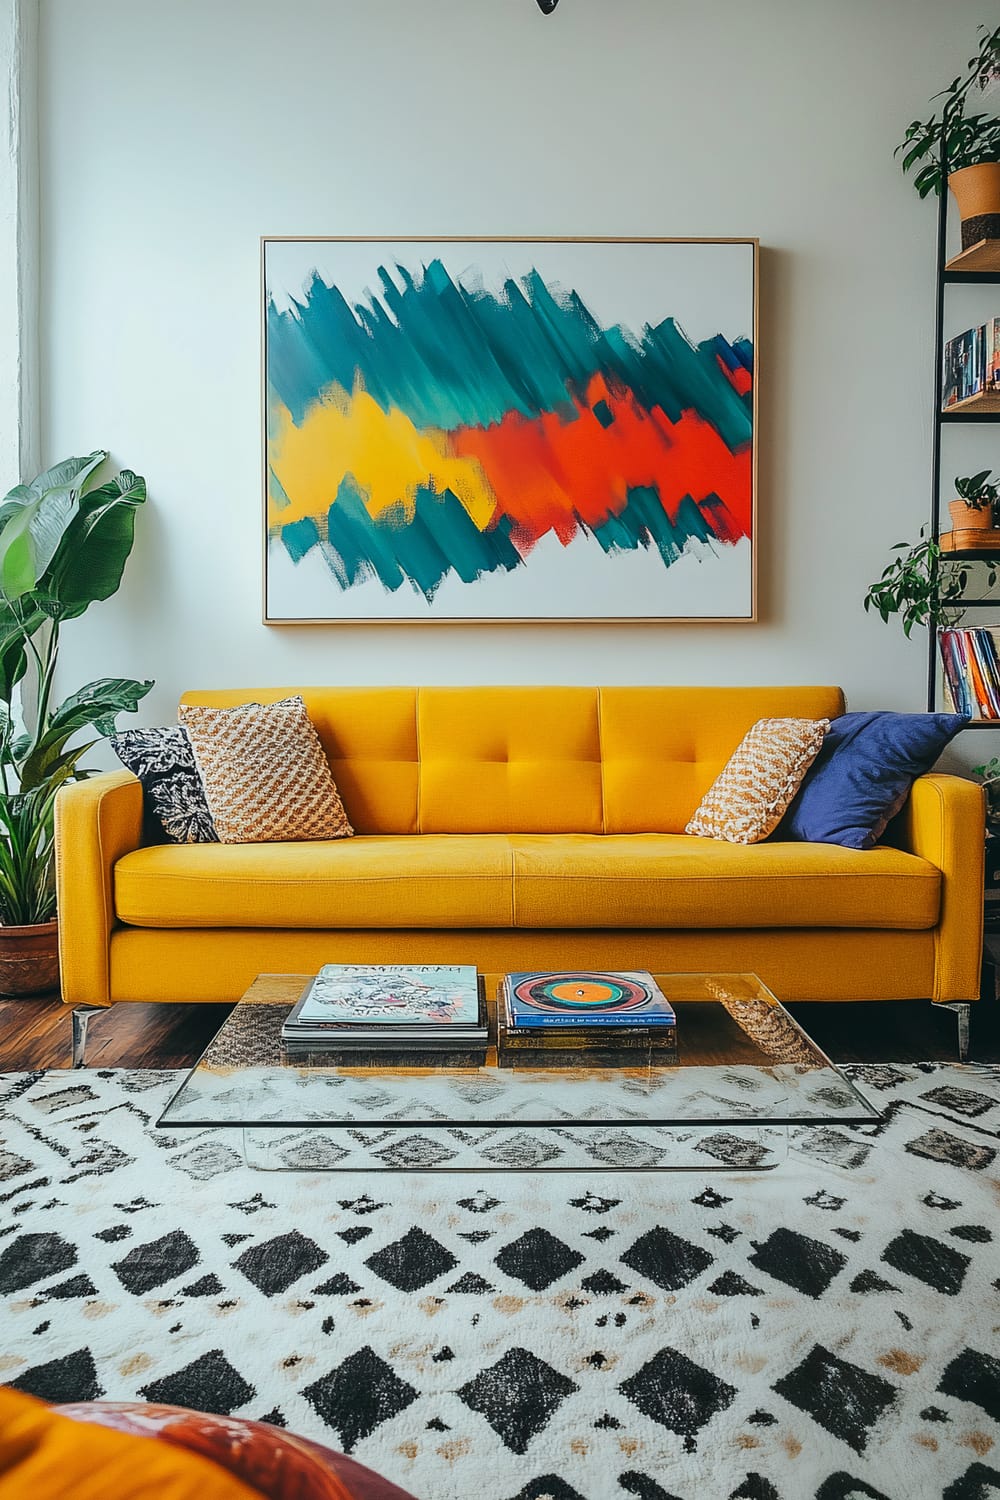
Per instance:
(745,1074)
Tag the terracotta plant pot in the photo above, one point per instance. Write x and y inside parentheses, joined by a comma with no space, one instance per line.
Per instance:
(964,518)
(977,193)
(29,959)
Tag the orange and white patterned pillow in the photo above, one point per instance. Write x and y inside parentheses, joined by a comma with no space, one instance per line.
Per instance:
(265,774)
(751,793)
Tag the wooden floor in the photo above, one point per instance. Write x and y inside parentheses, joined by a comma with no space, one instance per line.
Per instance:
(35,1033)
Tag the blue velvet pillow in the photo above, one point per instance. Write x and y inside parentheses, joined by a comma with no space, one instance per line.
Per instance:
(863,774)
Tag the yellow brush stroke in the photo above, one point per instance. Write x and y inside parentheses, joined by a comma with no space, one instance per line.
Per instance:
(388,457)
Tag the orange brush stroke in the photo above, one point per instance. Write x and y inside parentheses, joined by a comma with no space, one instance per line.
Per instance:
(548,473)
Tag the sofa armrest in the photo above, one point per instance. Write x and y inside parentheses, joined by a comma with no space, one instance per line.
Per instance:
(944,821)
(97,821)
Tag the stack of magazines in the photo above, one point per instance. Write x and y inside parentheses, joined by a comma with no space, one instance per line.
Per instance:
(389,1015)
(584,1019)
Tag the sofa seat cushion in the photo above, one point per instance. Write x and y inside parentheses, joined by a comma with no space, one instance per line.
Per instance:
(417,880)
(681,881)
(525,880)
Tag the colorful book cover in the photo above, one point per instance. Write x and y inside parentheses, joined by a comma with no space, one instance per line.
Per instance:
(391,995)
(980,696)
(977,640)
(993,354)
(954,666)
(585,998)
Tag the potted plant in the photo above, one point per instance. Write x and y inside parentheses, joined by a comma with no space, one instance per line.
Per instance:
(968,142)
(975,507)
(64,541)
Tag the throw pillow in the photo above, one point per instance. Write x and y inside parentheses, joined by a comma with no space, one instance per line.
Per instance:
(265,773)
(172,794)
(863,774)
(750,794)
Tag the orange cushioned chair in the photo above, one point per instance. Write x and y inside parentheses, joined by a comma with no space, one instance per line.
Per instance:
(102,1450)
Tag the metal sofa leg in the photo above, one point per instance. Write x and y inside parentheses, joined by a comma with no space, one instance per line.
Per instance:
(963,1010)
(81,1019)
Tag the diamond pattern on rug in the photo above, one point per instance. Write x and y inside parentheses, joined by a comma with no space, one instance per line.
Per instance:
(151,1265)
(674,1391)
(931,1261)
(799,1261)
(538,1259)
(975,1377)
(518,1396)
(209,1383)
(412,1262)
(841,1397)
(358,1396)
(275,1265)
(815,1331)
(666,1259)
(71,1378)
(31,1258)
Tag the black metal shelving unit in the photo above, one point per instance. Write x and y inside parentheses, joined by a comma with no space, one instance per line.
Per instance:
(952,274)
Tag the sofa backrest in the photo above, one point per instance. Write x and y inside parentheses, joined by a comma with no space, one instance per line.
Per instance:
(531,759)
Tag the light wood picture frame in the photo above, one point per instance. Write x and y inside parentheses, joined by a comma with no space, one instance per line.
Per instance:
(509,429)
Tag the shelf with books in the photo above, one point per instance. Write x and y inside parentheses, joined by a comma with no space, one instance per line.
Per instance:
(967,390)
(986,403)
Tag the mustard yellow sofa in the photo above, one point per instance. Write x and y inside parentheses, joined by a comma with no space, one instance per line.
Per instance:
(520,827)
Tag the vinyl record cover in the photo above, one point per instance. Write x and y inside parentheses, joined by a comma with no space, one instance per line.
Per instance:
(584,999)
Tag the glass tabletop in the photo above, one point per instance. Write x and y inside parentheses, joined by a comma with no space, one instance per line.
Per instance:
(742,1060)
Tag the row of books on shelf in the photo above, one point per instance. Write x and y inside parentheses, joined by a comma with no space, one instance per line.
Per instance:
(434,1015)
(971,662)
(971,363)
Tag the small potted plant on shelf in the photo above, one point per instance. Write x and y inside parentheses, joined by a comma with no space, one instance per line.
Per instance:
(975,508)
(64,541)
(971,147)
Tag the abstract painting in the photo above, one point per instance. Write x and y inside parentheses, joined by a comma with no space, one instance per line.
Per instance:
(509,429)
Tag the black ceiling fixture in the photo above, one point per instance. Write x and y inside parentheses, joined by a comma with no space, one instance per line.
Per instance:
(547,6)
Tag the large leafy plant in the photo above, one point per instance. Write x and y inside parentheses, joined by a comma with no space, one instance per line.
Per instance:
(64,542)
(968,138)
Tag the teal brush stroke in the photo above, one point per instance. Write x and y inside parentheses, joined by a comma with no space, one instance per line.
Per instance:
(441,539)
(453,356)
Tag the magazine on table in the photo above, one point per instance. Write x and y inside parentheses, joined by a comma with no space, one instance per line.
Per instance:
(436,1004)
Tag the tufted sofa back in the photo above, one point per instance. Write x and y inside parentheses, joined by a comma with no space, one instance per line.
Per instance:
(531,759)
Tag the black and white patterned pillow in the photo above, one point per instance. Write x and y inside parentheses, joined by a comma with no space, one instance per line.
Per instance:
(173,796)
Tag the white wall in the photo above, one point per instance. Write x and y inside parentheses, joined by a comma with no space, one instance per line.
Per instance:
(174,135)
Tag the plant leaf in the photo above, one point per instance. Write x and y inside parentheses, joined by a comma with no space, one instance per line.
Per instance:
(89,564)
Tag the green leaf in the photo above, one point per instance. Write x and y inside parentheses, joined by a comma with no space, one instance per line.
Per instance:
(71,471)
(14,633)
(90,563)
(33,521)
(95,705)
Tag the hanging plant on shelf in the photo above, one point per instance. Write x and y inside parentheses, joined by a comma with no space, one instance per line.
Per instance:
(922,586)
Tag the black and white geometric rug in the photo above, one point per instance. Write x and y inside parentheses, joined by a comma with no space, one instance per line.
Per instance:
(830,1329)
